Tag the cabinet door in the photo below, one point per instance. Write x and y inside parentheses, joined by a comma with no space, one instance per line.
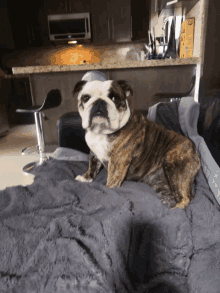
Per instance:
(79,6)
(6,38)
(19,20)
(140,19)
(100,21)
(56,6)
(121,20)
(28,29)
(38,25)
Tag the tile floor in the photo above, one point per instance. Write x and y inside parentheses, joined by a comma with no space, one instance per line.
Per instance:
(11,160)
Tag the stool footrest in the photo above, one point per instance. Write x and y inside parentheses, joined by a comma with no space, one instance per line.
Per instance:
(30,168)
(24,153)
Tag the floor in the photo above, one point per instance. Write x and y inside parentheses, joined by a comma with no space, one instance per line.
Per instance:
(11,160)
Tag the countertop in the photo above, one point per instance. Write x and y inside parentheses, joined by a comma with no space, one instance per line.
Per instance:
(26,70)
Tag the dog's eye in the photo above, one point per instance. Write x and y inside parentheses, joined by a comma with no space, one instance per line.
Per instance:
(122,103)
(85,98)
(114,96)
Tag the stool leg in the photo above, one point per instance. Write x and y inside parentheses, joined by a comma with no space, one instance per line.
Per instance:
(40,136)
(30,168)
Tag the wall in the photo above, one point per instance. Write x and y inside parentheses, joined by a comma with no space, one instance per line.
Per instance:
(211,71)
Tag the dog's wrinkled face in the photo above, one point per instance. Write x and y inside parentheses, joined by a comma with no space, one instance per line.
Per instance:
(103,105)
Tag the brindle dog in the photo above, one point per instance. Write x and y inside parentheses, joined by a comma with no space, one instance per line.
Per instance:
(134,148)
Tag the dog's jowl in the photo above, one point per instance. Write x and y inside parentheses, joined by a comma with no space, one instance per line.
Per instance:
(132,147)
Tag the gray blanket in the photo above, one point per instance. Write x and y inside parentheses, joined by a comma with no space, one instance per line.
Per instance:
(60,235)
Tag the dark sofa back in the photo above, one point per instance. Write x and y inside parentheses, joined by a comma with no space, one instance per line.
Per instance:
(71,134)
(209,122)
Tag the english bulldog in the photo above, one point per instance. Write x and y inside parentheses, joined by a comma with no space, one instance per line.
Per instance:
(131,147)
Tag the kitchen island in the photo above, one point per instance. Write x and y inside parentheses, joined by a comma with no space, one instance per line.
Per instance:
(146,77)
(110,64)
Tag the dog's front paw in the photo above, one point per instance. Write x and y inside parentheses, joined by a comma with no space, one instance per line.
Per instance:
(113,184)
(82,179)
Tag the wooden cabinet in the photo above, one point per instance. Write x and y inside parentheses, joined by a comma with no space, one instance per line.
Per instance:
(111,21)
(19,20)
(38,26)
(29,25)
(160,5)
(56,6)
(140,19)
(100,21)
(6,38)
(67,6)
(79,6)
(119,21)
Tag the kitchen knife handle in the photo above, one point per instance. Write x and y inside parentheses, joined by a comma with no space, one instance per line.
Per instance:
(149,38)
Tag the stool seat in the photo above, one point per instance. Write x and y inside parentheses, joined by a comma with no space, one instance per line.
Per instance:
(52,100)
(172,96)
(31,109)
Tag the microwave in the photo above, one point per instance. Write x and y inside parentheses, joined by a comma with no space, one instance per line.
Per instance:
(69,27)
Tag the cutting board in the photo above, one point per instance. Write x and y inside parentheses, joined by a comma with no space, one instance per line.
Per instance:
(187,38)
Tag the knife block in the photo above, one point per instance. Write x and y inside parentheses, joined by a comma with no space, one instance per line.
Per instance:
(187,38)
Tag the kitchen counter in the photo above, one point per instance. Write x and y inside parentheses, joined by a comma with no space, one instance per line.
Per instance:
(103,65)
(147,78)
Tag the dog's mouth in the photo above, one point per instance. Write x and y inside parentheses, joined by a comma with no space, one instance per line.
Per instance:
(99,120)
(99,109)
(98,113)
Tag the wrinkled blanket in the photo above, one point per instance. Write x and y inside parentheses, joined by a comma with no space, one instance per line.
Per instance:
(60,235)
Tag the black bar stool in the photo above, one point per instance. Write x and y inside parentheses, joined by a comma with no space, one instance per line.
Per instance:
(52,100)
(171,97)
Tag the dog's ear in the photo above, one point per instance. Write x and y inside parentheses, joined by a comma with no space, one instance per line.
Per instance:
(78,87)
(125,87)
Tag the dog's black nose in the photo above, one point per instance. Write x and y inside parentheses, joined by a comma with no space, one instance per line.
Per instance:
(99,108)
(100,103)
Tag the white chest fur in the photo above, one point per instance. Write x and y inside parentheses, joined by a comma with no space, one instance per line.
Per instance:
(98,144)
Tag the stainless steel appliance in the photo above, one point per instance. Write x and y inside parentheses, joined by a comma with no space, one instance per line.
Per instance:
(70,27)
